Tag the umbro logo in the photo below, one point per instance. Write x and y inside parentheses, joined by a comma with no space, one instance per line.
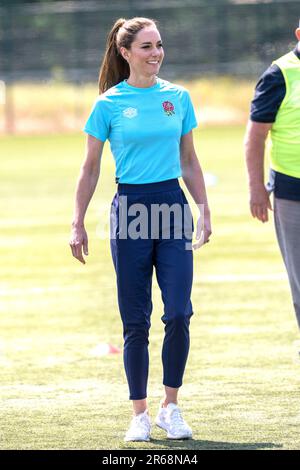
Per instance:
(130,112)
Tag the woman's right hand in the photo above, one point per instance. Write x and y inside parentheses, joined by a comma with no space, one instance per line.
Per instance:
(203,229)
(79,241)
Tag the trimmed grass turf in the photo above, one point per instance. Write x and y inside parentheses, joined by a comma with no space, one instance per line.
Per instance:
(241,387)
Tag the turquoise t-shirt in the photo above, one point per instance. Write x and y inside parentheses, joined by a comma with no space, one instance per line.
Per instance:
(144,127)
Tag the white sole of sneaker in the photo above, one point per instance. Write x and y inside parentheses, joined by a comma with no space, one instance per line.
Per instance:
(171,436)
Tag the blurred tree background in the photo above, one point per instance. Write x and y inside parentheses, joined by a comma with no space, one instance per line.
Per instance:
(64,41)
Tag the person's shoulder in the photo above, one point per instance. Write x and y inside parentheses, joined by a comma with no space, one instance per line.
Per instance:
(289,60)
(165,85)
(272,71)
(271,77)
(284,57)
(110,95)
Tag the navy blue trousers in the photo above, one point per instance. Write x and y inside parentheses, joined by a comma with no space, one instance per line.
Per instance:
(134,258)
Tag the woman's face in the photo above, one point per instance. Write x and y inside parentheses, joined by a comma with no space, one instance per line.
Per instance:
(146,53)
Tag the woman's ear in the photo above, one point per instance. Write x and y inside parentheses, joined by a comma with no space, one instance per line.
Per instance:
(297,33)
(124,53)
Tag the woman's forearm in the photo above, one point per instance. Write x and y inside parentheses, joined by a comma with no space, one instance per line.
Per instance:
(85,189)
(193,178)
(88,178)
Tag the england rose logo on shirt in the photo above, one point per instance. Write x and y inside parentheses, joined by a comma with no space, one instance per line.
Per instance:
(168,108)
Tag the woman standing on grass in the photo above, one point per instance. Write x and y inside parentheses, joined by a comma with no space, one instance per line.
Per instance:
(149,123)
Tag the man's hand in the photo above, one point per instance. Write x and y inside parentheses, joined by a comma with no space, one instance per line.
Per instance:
(255,138)
(260,203)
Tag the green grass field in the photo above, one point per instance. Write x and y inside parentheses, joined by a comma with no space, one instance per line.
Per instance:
(241,387)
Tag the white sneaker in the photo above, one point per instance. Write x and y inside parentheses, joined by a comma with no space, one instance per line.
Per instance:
(139,429)
(170,419)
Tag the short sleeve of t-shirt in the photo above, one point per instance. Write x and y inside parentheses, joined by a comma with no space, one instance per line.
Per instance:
(98,122)
(269,94)
(189,119)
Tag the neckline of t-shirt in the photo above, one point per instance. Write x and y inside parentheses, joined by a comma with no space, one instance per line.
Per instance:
(142,90)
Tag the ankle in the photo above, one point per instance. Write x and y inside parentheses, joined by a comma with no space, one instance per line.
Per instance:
(137,412)
(166,402)
(139,406)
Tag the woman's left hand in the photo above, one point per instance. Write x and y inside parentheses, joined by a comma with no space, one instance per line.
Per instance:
(203,230)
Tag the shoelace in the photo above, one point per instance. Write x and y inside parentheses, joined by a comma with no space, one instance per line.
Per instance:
(140,421)
(176,419)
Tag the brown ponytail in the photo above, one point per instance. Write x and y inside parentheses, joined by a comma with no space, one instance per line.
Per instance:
(114,67)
